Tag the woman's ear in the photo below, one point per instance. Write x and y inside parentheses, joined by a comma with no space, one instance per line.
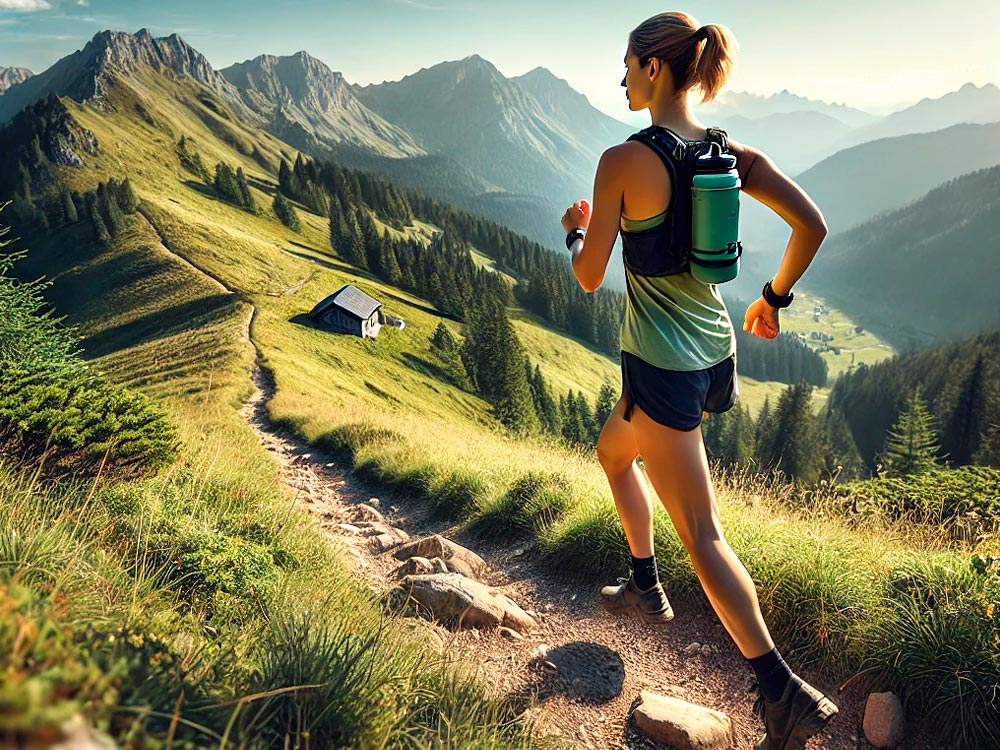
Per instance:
(652,68)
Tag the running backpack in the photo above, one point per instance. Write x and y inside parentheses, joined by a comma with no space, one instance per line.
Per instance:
(665,249)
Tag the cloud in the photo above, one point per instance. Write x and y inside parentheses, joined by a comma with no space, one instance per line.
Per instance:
(25,5)
(84,3)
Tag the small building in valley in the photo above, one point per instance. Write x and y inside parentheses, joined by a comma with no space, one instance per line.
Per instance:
(349,310)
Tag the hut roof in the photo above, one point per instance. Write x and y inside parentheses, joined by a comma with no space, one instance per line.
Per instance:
(351,300)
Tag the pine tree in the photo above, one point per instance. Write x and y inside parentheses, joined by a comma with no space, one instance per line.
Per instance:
(607,397)
(794,442)
(285,212)
(966,424)
(245,197)
(126,197)
(70,215)
(737,444)
(911,446)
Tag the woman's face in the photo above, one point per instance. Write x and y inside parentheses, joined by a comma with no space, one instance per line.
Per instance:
(638,86)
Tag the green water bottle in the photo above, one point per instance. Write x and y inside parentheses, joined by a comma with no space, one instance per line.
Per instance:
(715,217)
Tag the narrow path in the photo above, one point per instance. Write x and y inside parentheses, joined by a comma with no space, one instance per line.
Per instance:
(603,661)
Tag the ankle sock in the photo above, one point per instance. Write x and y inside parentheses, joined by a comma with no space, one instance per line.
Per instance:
(772,674)
(644,572)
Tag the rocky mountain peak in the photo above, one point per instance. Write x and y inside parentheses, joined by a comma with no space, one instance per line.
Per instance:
(13,76)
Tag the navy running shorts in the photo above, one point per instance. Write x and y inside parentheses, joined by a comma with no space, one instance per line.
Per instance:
(674,398)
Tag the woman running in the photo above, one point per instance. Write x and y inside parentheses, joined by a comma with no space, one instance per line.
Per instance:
(678,352)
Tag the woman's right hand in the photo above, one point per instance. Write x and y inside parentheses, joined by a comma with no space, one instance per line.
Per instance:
(762,320)
(577,216)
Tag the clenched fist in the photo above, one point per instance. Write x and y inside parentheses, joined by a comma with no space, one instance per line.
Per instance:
(762,320)
(577,216)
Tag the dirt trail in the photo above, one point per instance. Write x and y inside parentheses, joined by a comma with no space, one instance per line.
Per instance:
(603,661)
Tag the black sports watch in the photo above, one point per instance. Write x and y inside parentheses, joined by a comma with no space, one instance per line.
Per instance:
(776,300)
(576,234)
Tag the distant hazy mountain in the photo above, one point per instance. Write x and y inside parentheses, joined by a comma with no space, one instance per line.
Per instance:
(970,104)
(795,140)
(11,76)
(754,106)
(927,272)
(498,128)
(854,185)
(87,73)
(572,108)
(311,107)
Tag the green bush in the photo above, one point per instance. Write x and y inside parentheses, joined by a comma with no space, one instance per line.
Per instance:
(966,501)
(78,425)
(936,642)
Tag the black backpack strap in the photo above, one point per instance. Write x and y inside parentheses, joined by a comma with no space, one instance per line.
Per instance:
(720,136)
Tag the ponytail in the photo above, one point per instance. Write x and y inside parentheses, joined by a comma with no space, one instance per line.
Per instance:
(715,62)
(698,56)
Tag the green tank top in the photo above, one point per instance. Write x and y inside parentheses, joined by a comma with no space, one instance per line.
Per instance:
(674,322)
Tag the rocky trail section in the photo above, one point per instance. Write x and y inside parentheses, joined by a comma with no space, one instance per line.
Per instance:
(534,638)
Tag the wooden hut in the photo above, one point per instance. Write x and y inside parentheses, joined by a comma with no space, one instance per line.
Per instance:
(349,310)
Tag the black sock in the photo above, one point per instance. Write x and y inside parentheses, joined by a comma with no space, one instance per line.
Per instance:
(772,674)
(644,572)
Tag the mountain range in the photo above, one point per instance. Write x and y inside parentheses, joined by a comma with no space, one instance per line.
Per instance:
(518,150)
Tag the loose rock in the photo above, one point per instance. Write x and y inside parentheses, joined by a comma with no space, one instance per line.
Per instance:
(885,723)
(681,725)
(460,602)
(364,512)
(418,566)
(458,558)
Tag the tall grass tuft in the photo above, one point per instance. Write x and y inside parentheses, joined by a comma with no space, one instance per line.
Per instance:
(935,641)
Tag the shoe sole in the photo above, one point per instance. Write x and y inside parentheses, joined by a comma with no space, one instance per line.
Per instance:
(810,723)
(659,618)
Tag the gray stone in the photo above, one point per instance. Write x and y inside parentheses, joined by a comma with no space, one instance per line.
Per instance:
(681,725)
(364,512)
(460,602)
(77,734)
(885,722)
(417,566)
(382,542)
(348,528)
(458,558)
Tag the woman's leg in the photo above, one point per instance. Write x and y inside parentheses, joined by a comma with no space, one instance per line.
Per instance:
(677,466)
(617,451)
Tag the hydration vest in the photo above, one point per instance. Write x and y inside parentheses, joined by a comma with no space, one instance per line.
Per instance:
(666,249)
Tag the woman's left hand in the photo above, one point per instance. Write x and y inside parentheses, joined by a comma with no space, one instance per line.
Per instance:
(577,216)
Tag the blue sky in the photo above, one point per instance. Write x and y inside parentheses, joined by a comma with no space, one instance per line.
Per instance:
(866,53)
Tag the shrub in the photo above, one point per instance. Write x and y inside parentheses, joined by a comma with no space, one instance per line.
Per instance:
(79,425)
(966,501)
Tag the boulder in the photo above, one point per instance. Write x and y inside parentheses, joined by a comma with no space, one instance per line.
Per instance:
(458,558)
(681,725)
(363,512)
(460,602)
(420,566)
(885,722)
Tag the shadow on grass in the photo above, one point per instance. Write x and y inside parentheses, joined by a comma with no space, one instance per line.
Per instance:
(165,322)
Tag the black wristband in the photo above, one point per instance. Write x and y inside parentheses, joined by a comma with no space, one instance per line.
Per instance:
(775,300)
(576,234)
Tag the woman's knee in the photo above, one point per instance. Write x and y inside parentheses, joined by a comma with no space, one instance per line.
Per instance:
(614,453)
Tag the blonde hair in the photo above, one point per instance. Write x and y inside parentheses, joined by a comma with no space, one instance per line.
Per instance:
(698,56)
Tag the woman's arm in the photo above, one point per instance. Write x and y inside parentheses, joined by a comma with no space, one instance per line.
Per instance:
(591,260)
(769,185)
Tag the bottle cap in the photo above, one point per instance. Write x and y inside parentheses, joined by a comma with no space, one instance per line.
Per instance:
(714,160)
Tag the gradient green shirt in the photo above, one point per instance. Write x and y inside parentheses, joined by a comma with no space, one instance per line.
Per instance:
(674,322)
